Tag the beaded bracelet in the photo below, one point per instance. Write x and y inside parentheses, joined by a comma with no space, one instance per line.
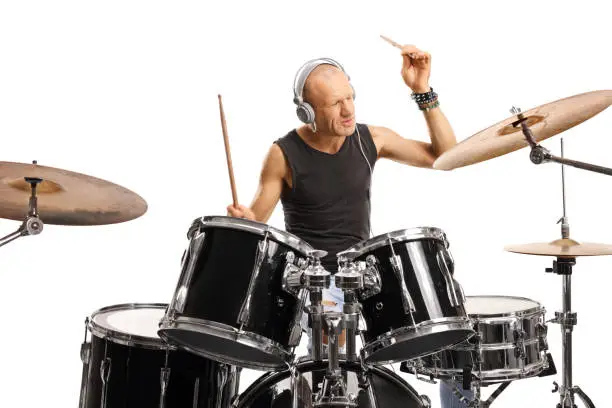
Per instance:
(429,106)
(426,101)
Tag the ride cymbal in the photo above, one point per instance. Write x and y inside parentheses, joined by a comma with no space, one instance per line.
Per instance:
(562,248)
(506,136)
(65,197)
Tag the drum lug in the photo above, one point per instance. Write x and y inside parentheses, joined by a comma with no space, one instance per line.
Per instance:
(372,283)
(451,289)
(293,275)
(398,269)
(245,310)
(164,377)
(105,369)
(85,352)
(296,331)
(223,378)
(520,350)
(541,331)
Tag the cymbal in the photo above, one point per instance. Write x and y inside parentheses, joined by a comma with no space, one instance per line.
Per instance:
(564,248)
(65,197)
(506,136)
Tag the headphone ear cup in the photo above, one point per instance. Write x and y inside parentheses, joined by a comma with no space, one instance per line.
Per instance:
(305,113)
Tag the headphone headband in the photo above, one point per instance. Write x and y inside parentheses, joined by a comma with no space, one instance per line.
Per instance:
(304,72)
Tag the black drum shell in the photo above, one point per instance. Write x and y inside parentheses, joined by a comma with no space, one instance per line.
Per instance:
(134,378)
(388,390)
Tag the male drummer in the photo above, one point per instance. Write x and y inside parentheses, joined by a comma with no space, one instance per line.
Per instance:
(321,172)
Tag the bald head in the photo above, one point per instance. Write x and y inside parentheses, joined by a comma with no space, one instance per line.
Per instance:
(328,90)
(320,80)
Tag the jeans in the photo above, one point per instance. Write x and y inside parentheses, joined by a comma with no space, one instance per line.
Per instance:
(448,398)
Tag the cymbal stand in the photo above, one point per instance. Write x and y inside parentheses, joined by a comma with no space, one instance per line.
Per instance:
(562,266)
(541,155)
(32,225)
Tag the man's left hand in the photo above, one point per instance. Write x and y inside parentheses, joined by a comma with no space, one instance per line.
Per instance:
(416,68)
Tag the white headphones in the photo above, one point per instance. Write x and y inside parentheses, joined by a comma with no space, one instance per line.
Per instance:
(304,110)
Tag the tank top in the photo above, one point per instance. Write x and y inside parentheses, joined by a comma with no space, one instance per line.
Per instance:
(328,205)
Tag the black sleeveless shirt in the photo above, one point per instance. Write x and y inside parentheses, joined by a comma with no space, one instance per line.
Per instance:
(329,203)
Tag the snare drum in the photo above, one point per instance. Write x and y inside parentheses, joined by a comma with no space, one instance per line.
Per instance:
(412,305)
(231,303)
(127,365)
(510,343)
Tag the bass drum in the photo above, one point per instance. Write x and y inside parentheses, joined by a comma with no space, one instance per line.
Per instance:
(377,388)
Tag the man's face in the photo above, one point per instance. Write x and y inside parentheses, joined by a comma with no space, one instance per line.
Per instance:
(331,96)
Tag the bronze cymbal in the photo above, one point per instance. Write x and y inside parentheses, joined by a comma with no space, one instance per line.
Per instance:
(564,248)
(506,136)
(65,197)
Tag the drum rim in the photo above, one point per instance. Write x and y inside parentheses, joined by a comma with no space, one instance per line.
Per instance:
(228,333)
(406,333)
(461,347)
(260,228)
(397,236)
(123,338)
(536,310)
(489,376)
(306,364)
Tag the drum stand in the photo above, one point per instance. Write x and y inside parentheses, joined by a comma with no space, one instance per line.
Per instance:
(477,402)
(333,391)
(32,225)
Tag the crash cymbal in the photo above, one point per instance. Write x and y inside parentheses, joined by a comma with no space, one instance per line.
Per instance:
(562,248)
(506,136)
(66,197)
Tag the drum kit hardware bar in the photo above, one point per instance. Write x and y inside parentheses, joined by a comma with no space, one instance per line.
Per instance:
(245,290)
(32,225)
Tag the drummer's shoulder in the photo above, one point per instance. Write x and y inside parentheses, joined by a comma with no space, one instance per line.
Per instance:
(275,161)
(378,133)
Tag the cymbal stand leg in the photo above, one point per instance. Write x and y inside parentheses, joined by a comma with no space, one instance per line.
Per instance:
(32,225)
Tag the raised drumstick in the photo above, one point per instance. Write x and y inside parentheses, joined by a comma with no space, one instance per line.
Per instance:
(395,44)
(390,41)
(228,154)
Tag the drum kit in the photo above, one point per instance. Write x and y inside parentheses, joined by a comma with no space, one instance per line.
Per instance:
(245,286)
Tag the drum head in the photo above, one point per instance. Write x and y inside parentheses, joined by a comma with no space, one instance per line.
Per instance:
(385,389)
(499,306)
(129,324)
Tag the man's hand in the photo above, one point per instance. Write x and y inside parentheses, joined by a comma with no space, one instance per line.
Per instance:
(416,68)
(241,212)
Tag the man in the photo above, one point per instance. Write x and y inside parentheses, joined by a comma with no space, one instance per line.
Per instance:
(322,171)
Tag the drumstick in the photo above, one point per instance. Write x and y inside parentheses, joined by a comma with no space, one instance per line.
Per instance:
(390,41)
(228,154)
(395,44)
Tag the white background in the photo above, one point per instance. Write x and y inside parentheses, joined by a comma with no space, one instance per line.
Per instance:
(127,91)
